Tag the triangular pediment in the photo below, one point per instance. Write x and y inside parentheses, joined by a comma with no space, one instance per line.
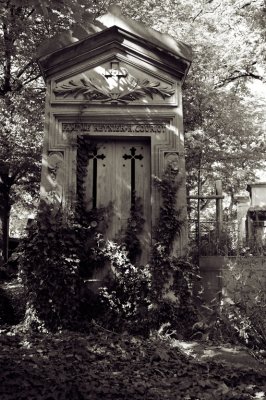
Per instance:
(115,80)
(114,38)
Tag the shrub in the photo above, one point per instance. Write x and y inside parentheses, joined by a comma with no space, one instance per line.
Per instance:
(143,298)
(49,266)
(239,314)
(60,254)
(244,299)
(129,299)
(125,291)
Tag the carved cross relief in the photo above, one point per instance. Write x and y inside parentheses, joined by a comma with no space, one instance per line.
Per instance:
(116,74)
(132,156)
(95,157)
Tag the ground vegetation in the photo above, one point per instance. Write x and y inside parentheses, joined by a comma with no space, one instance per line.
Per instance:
(102,364)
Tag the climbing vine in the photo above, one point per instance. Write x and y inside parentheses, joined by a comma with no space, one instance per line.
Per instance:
(84,148)
(174,277)
(133,230)
(168,227)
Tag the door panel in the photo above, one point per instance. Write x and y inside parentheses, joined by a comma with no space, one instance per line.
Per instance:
(115,169)
(122,199)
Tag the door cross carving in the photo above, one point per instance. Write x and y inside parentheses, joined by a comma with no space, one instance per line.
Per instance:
(132,156)
(95,157)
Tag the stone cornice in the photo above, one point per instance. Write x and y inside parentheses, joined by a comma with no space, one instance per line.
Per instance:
(117,39)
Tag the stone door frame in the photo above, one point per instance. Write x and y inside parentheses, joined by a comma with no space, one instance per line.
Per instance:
(162,131)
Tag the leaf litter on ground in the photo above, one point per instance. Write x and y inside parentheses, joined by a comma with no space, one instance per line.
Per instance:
(102,364)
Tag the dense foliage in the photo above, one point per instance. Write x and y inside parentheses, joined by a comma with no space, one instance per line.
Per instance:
(244,301)
(54,259)
(61,255)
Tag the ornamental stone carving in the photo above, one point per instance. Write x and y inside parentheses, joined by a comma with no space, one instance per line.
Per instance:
(55,177)
(90,90)
(172,159)
(116,85)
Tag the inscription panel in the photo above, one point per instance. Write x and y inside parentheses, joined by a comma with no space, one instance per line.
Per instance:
(114,127)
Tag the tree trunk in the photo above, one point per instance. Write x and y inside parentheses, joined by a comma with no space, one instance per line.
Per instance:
(5,207)
(5,215)
(198,206)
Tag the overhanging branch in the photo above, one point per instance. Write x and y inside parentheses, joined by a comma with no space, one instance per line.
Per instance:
(24,69)
(34,78)
(241,75)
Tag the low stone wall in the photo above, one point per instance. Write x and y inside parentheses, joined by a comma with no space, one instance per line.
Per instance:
(233,278)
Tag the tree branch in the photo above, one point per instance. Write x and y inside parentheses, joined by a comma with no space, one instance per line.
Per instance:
(236,77)
(34,78)
(30,13)
(248,3)
(23,69)
(207,12)
(197,15)
(205,204)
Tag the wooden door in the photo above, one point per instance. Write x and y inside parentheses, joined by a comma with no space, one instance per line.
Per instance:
(119,173)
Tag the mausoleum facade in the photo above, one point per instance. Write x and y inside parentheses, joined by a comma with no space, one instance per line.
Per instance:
(115,93)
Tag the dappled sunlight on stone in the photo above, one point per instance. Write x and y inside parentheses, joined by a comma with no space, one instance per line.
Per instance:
(114,17)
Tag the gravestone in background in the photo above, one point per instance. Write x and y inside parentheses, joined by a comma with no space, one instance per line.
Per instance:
(118,87)
(256,216)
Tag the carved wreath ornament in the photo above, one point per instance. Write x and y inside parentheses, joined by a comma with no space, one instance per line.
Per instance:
(92,91)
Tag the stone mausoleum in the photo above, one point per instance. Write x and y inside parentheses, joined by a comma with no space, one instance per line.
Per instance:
(115,90)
